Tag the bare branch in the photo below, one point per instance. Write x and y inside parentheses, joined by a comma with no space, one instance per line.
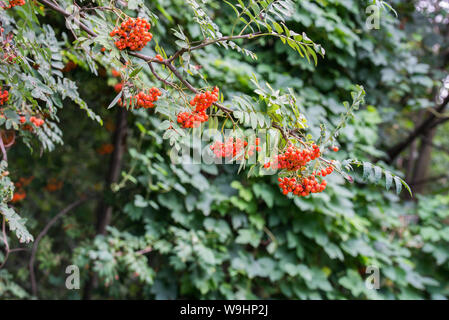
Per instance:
(43,233)
(2,147)
(208,42)
(429,123)
(5,240)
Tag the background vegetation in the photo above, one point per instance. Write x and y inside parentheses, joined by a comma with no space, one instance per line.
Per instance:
(206,232)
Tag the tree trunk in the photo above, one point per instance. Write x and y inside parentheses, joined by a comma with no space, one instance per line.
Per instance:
(424,128)
(411,162)
(422,164)
(105,210)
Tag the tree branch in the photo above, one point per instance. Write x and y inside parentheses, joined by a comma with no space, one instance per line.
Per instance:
(5,240)
(43,233)
(2,147)
(207,42)
(423,128)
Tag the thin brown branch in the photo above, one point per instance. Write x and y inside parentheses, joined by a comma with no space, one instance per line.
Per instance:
(178,75)
(139,252)
(158,77)
(18,249)
(8,250)
(430,180)
(2,147)
(43,233)
(5,240)
(429,123)
(281,130)
(208,42)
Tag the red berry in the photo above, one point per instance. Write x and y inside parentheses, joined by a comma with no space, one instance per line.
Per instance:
(133,34)
(115,73)
(202,101)
(142,99)
(4,96)
(14,3)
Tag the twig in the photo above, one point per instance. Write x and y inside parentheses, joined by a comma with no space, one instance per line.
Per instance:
(208,42)
(429,179)
(43,233)
(2,147)
(429,123)
(139,252)
(8,250)
(158,77)
(5,240)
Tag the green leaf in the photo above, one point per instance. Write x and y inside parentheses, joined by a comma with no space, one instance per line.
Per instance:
(16,224)
(398,183)
(116,99)
(135,72)
(388,180)
(367,169)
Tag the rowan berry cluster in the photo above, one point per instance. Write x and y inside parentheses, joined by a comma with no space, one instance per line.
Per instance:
(54,185)
(192,119)
(37,121)
(133,34)
(326,171)
(7,49)
(8,137)
(20,194)
(34,120)
(70,65)
(105,149)
(118,87)
(144,100)
(294,158)
(301,187)
(147,100)
(15,3)
(232,147)
(202,101)
(4,96)
(8,57)
(115,73)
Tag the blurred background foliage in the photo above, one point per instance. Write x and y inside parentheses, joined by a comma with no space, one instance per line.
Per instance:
(204,232)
